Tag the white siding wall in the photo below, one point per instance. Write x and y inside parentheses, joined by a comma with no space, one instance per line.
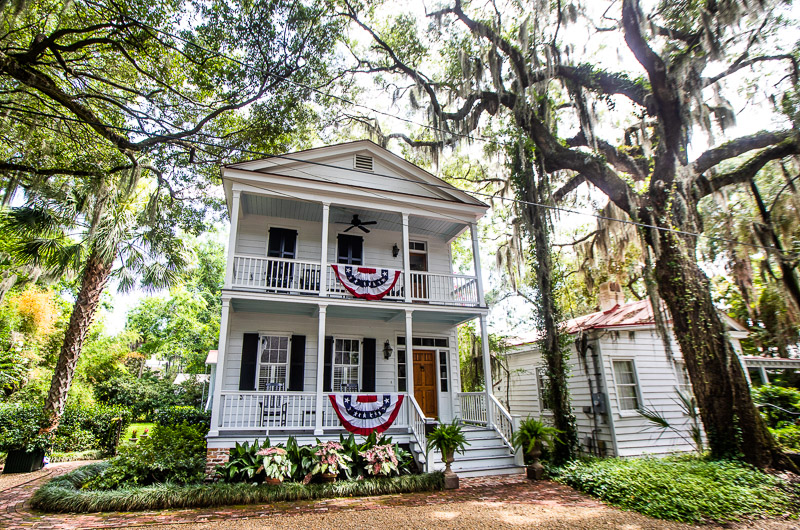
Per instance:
(253,232)
(385,370)
(524,395)
(657,388)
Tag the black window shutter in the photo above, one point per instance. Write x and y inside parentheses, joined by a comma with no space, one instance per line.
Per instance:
(247,370)
(275,243)
(297,363)
(327,374)
(368,366)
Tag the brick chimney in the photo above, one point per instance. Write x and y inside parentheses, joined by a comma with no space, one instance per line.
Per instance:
(610,296)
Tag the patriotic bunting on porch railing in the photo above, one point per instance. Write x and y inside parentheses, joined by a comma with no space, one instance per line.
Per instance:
(362,414)
(365,282)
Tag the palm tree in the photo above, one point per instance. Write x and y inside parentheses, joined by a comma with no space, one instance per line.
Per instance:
(96,228)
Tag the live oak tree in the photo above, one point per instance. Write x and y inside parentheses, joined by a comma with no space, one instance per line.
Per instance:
(103,101)
(511,69)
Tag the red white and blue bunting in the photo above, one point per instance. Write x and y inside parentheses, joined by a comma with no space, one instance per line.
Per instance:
(362,414)
(366,282)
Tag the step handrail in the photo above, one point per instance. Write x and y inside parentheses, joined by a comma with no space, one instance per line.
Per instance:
(503,422)
(417,421)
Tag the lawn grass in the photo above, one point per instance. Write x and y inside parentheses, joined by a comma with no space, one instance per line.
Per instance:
(138,427)
(64,493)
(686,489)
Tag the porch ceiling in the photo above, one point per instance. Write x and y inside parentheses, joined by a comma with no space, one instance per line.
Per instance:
(350,312)
(309,211)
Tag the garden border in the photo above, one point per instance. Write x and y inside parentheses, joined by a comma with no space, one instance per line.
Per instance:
(63,494)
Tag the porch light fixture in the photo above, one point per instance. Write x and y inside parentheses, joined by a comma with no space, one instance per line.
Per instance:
(395,250)
(387,350)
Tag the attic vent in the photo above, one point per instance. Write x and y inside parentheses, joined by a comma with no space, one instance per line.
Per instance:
(363,162)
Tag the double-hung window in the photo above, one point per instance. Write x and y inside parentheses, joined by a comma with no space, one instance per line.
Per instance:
(627,386)
(273,361)
(346,353)
(543,386)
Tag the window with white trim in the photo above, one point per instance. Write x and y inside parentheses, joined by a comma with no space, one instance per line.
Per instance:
(627,386)
(684,384)
(346,353)
(443,379)
(273,362)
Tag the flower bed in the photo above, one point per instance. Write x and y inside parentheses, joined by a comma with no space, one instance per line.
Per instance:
(65,493)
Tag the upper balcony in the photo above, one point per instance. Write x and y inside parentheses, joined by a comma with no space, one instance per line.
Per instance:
(357,204)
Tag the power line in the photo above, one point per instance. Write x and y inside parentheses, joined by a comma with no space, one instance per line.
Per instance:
(444,185)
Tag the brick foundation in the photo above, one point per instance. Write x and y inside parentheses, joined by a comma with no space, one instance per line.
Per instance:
(215,457)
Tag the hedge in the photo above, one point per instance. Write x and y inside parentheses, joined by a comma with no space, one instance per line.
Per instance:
(64,494)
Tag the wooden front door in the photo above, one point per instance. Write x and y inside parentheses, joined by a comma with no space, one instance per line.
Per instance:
(425,382)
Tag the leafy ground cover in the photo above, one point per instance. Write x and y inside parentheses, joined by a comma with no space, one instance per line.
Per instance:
(65,493)
(686,489)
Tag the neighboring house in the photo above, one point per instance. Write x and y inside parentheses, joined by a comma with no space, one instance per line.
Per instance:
(293,334)
(618,364)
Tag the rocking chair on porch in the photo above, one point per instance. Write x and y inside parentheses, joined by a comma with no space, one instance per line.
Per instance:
(273,413)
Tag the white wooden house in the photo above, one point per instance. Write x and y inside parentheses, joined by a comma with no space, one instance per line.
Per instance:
(618,364)
(292,335)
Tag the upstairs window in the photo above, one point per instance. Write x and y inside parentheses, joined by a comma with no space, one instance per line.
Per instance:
(351,250)
(282,243)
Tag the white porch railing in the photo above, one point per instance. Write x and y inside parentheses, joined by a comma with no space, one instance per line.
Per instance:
(448,289)
(276,274)
(473,407)
(293,276)
(503,421)
(417,422)
(335,288)
(292,411)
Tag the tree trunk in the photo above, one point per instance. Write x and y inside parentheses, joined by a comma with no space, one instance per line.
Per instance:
(95,277)
(733,425)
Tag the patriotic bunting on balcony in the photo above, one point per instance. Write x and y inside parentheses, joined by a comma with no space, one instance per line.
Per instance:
(365,282)
(362,414)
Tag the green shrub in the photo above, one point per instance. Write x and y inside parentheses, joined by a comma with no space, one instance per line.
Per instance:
(91,427)
(66,493)
(20,426)
(778,405)
(182,414)
(174,454)
(146,395)
(685,489)
(243,463)
(788,437)
(92,454)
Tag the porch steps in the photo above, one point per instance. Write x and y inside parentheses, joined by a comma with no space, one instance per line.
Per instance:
(485,455)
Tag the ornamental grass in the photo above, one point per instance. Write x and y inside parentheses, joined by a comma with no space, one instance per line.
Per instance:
(64,493)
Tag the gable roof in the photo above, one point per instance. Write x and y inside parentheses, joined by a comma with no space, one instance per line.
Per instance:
(630,314)
(328,164)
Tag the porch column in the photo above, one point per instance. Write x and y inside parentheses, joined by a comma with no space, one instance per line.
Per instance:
(764,376)
(487,370)
(406,265)
(232,239)
(323,310)
(409,353)
(219,378)
(476,259)
(323,255)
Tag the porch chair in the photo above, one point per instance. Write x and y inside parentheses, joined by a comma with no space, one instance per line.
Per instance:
(274,407)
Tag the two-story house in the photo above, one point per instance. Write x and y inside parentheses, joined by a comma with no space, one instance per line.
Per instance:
(296,330)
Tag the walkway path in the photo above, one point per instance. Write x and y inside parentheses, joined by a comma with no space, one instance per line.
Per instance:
(486,503)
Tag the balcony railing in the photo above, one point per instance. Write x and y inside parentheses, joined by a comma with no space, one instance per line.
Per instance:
(278,275)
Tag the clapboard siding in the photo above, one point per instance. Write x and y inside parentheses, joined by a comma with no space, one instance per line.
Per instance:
(253,230)
(657,379)
(385,370)
(658,385)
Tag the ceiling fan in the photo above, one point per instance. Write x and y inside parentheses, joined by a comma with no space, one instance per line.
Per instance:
(358,223)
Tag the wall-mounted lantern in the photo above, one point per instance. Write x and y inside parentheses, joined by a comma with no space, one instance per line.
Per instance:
(395,250)
(387,350)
